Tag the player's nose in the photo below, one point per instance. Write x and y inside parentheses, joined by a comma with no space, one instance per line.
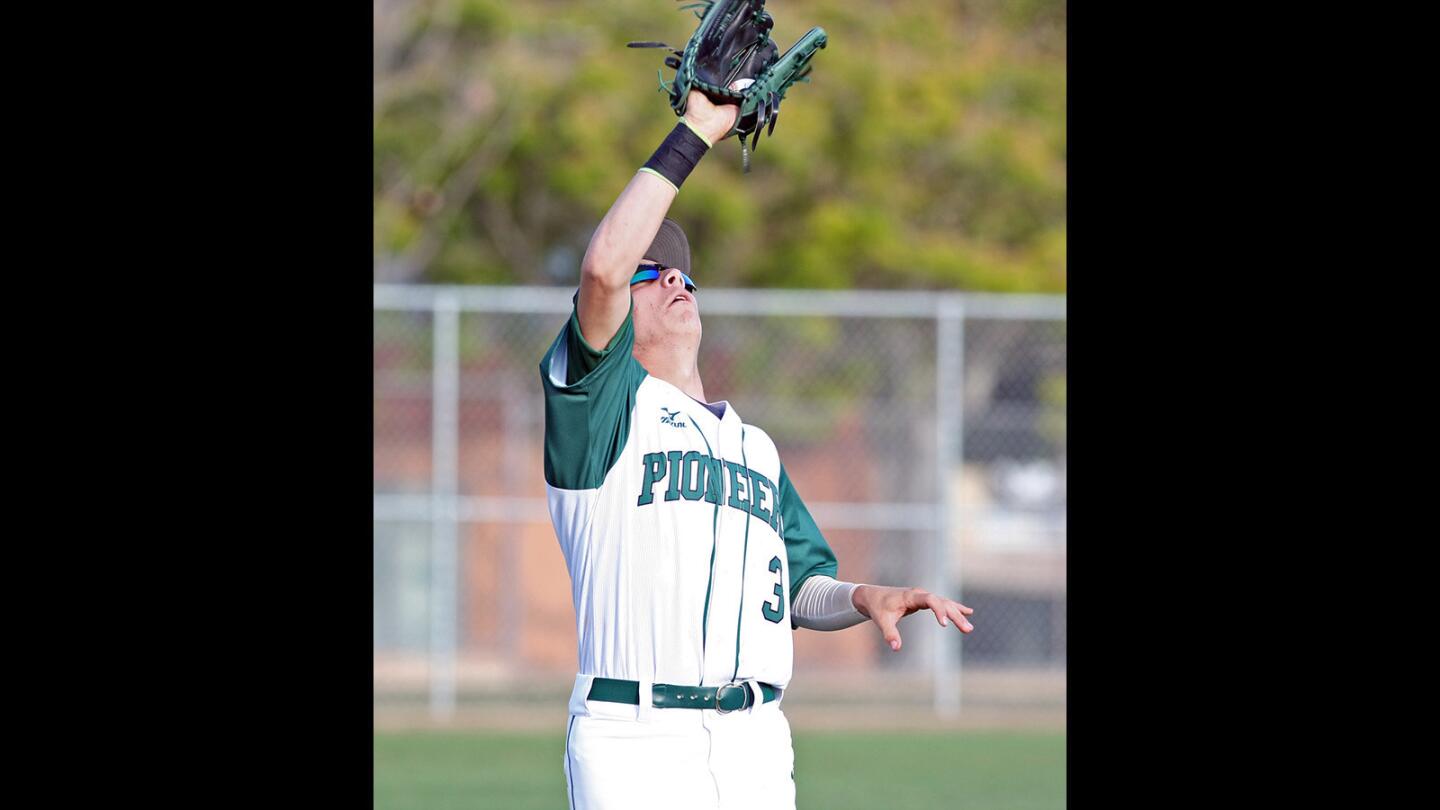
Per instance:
(672,277)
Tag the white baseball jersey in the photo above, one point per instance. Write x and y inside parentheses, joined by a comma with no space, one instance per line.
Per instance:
(685,542)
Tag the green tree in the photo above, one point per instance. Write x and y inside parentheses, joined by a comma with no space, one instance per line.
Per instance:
(928,151)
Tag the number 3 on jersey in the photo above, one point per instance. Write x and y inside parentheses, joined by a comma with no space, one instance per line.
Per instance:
(777,613)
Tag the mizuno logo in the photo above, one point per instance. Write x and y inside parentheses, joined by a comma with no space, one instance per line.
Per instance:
(671,418)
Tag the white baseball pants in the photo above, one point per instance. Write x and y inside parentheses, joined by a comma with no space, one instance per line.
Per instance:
(623,757)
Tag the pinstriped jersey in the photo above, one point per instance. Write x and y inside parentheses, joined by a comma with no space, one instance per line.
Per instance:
(684,538)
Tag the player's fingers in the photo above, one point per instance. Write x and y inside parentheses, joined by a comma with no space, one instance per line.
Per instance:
(941,609)
(888,630)
(967,611)
(961,622)
(915,599)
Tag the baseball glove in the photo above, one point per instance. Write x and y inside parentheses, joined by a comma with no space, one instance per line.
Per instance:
(732,60)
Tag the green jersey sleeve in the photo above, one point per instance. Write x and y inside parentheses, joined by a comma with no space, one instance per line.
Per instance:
(589,397)
(805,547)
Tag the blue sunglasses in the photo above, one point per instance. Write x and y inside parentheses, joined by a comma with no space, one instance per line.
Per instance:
(650,272)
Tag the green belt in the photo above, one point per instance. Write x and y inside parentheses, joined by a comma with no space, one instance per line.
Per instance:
(727,698)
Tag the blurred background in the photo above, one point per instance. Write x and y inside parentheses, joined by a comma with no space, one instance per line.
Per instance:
(884,293)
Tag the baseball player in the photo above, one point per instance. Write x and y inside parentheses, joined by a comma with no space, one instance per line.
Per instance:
(691,555)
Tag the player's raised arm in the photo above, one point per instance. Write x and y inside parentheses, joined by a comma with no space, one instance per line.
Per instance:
(619,242)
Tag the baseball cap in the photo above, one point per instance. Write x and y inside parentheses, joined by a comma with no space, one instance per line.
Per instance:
(670,247)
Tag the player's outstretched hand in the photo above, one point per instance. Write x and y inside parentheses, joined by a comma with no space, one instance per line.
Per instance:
(710,118)
(887,606)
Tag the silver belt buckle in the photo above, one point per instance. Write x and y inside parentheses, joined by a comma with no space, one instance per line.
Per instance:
(721,690)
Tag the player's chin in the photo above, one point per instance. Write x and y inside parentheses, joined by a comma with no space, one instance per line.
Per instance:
(682,311)
(684,323)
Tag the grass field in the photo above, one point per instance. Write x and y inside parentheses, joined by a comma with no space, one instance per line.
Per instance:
(833,770)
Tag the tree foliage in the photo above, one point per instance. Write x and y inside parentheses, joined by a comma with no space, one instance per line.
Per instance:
(928,151)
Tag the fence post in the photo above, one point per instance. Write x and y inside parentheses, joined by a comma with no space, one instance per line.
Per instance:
(444,475)
(949,422)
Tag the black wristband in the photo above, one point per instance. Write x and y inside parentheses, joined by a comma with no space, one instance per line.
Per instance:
(677,155)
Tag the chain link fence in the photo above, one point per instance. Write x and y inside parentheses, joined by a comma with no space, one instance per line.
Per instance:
(926,431)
